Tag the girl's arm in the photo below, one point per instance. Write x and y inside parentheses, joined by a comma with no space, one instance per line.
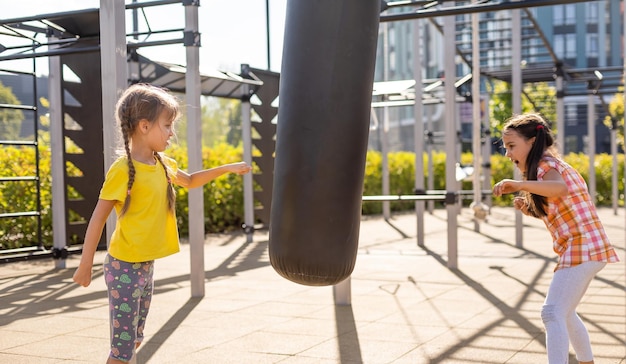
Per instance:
(200,178)
(99,217)
(552,185)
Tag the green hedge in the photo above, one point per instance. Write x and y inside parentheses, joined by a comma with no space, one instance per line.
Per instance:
(402,167)
(223,197)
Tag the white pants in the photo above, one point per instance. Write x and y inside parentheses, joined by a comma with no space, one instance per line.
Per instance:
(559,316)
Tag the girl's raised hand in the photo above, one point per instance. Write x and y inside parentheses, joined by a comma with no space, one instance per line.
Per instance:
(506,186)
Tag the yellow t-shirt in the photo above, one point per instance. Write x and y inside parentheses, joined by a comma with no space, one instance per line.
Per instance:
(148,229)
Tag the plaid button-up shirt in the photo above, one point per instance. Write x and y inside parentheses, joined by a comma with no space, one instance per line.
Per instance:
(577,233)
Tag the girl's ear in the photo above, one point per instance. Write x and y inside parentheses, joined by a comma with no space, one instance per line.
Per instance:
(143,125)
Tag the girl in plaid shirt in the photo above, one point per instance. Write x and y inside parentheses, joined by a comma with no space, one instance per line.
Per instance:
(556,193)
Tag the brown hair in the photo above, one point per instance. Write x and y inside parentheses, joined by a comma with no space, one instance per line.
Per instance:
(533,126)
(143,101)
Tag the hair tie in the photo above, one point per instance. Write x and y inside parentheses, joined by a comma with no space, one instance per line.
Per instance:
(128,192)
(539,127)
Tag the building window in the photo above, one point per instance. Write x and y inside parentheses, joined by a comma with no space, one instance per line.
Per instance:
(570,46)
(571,144)
(592,45)
(591,12)
(571,115)
(570,14)
(558,15)
(559,45)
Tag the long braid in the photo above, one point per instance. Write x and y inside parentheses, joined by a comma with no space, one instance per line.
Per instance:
(171,194)
(131,167)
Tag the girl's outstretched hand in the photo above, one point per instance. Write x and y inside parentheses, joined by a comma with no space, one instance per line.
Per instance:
(506,186)
(240,168)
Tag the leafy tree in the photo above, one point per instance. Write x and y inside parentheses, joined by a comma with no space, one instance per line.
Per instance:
(616,110)
(220,119)
(537,97)
(10,119)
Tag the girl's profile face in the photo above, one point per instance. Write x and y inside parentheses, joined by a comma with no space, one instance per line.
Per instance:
(517,148)
(160,132)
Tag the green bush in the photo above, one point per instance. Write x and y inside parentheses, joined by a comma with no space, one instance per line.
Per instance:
(21,196)
(223,197)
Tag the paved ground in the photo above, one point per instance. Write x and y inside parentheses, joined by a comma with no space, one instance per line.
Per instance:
(407,305)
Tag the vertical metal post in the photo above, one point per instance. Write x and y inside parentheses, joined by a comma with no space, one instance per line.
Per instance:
(194,147)
(342,292)
(591,143)
(476,120)
(59,233)
(516,78)
(487,152)
(624,95)
(267,34)
(114,70)
(430,181)
(451,132)
(418,127)
(384,130)
(248,187)
(614,189)
(560,112)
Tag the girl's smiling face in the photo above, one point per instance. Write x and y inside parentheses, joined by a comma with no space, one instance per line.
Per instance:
(517,148)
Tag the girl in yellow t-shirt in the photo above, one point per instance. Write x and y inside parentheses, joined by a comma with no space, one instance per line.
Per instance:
(139,185)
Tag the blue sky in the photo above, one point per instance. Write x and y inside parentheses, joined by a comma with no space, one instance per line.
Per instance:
(233,31)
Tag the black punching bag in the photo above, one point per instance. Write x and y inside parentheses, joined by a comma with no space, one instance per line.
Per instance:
(326,81)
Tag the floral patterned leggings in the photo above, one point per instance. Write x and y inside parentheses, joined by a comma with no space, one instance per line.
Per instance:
(129,287)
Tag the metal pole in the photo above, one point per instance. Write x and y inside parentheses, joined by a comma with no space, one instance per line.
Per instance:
(114,79)
(385,127)
(59,234)
(429,151)
(614,189)
(591,143)
(342,292)
(267,34)
(476,121)
(451,132)
(560,112)
(516,78)
(248,187)
(418,128)
(194,148)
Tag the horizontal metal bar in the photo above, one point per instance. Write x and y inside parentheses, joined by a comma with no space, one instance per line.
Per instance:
(53,52)
(18,179)
(474,8)
(18,107)
(17,142)
(462,192)
(47,16)
(155,43)
(22,250)
(146,4)
(17,72)
(20,214)
(404,198)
